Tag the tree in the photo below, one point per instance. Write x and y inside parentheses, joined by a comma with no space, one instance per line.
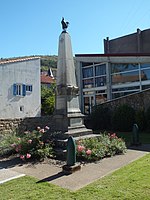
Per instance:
(48,99)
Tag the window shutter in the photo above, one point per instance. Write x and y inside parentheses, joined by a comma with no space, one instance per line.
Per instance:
(14,89)
(23,90)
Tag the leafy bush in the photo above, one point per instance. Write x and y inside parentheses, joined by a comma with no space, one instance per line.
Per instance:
(123,118)
(140,119)
(148,118)
(100,118)
(32,145)
(5,143)
(48,99)
(105,145)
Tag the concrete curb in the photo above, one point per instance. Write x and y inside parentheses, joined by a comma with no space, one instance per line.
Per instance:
(7,175)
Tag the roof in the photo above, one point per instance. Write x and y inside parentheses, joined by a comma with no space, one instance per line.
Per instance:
(113,55)
(7,61)
(47,79)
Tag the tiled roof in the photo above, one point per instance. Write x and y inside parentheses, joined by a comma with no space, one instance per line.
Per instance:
(47,79)
(7,61)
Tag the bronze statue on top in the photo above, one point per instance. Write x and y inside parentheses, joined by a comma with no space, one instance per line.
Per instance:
(64,24)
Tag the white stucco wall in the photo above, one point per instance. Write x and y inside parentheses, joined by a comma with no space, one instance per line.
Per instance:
(20,72)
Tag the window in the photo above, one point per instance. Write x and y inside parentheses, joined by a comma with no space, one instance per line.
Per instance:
(123,67)
(21,89)
(18,89)
(122,89)
(100,98)
(88,83)
(87,72)
(145,65)
(84,64)
(127,77)
(100,70)
(21,108)
(28,88)
(100,81)
(145,74)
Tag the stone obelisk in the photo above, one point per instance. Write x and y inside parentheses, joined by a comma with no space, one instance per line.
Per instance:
(68,117)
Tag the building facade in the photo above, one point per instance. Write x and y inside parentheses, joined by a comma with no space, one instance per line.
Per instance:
(20,90)
(138,42)
(102,77)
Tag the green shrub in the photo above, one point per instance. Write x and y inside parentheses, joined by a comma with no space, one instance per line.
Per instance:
(32,145)
(147,114)
(105,145)
(100,118)
(123,118)
(5,143)
(48,99)
(48,105)
(140,119)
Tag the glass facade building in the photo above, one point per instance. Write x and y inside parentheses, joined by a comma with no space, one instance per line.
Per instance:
(103,77)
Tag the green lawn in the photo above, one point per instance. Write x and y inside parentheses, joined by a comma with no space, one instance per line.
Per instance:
(131,182)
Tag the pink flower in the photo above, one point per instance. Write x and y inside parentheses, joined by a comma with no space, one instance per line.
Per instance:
(41,143)
(18,148)
(26,132)
(113,135)
(88,152)
(22,157)
(46,127)
(42,130)
(29,141)
(28,155)
(19,138)
(78,142)
(13,145)
(80,148)
(38,128)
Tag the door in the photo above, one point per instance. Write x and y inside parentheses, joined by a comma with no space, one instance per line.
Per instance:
(88,104)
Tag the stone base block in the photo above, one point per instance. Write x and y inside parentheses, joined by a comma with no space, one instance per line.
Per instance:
(71,169)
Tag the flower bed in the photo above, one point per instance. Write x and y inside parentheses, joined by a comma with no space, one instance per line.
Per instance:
(105,145)
(33,145)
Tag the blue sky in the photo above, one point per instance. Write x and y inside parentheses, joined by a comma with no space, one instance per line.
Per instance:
(32,27)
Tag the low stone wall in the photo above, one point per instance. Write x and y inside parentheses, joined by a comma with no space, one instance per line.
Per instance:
(138,101)
(8,125)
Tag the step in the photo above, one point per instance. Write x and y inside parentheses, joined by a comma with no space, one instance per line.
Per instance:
(62,143)
(60,149)
(75,132)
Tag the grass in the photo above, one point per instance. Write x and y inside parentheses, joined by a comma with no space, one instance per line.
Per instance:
(131,182)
